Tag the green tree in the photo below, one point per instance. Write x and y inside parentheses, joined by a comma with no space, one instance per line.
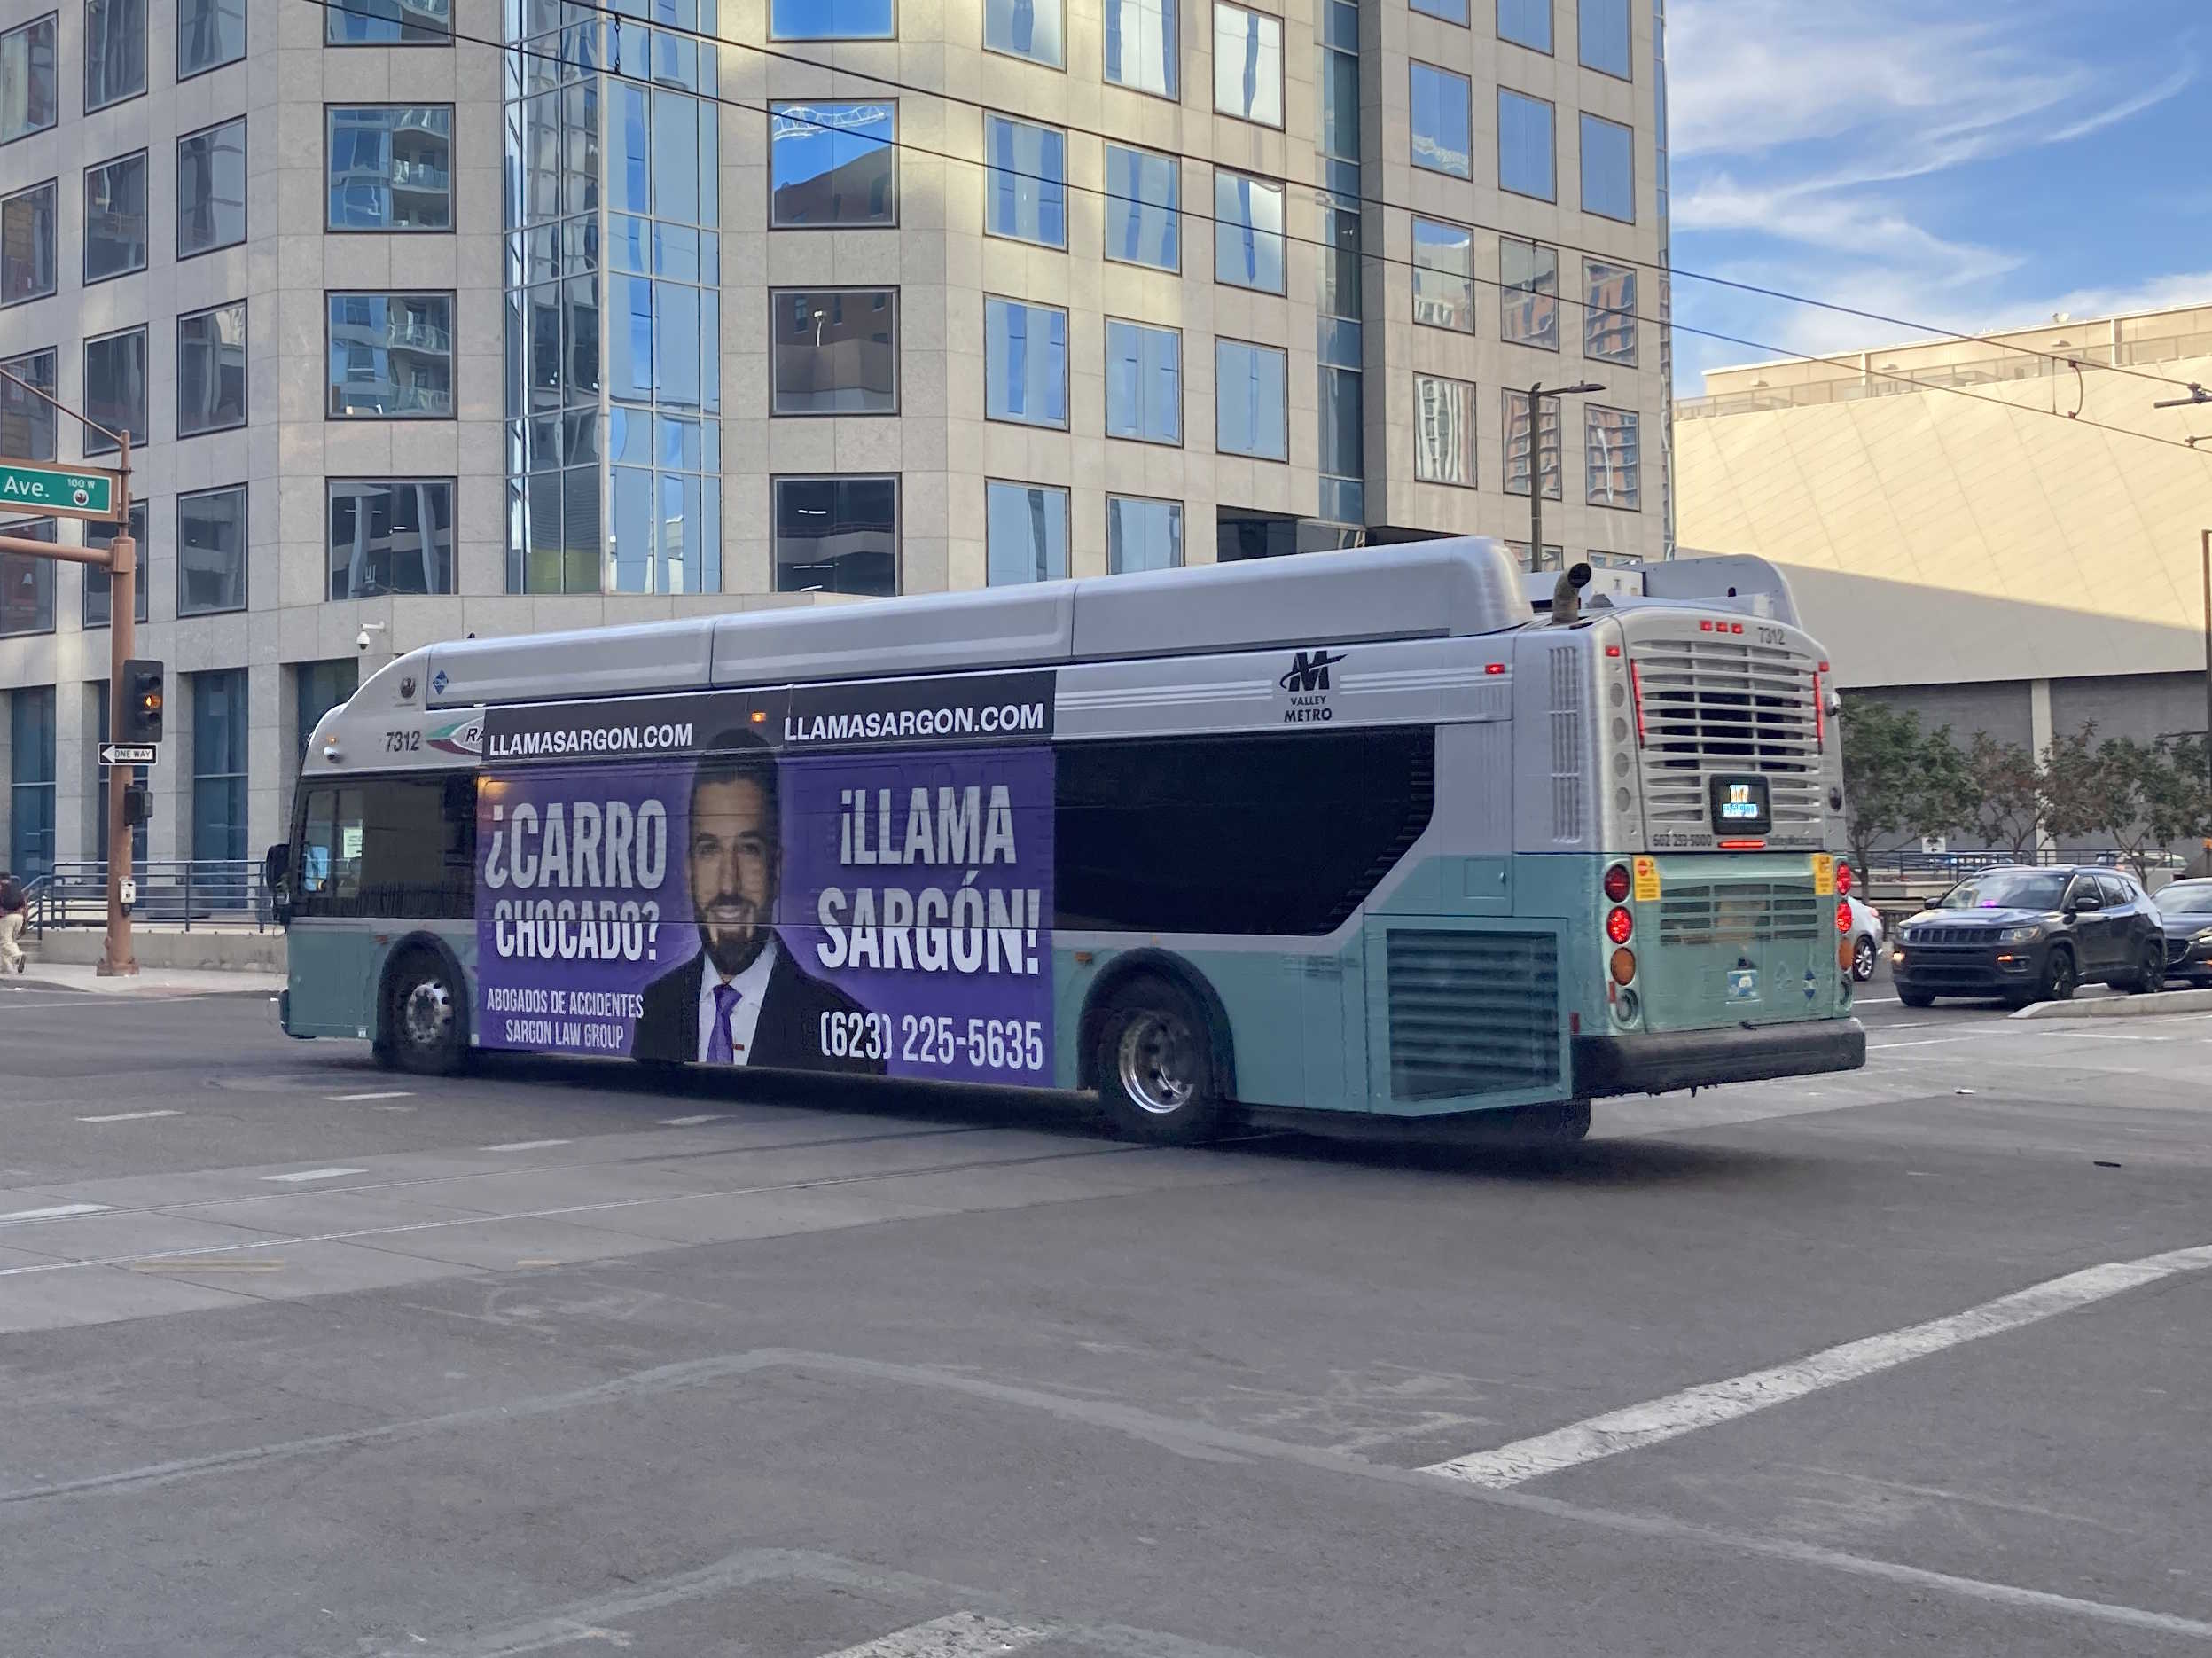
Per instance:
(2129,777)
(2071,785)
(1897,778)
(2172,796)
(2006,790)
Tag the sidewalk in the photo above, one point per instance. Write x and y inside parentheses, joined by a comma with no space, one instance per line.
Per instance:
(59,975)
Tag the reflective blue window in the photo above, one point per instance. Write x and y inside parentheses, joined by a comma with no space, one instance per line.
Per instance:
(1605,37)
(1025,363)
(388,23)
(832,164)
(1025,28)
(1248,63)
(31,771)
(390,167)
(1524,145)
(1025,184)
(1143,382)
(1144,223)
(1141,46)
(1444,275)
(1443,120)
(1249,399)
(1609,169)
(1450,11)
(1525,23)
(219,745)
(1024,532)
(831,19)
(1143,534)
(391,356)
(1247,232)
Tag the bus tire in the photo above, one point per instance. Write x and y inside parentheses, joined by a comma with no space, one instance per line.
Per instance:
(1914,998)
(1155,1064)
(424,1028)
(1558,1123)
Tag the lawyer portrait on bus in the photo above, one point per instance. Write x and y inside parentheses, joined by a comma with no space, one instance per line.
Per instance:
(742,999)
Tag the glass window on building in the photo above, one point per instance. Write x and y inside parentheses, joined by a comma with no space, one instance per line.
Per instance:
(1443,431)
(1144,200)
(31,778)
(209,33)
(1443,113)
(390,23)
(1248,63)
(1444,275)
(1024,532)
(1143,534)
(219,741)
(390,536)
(833,164)
(1605,37)
(391,356)
(1250,399)
(1026,184)
(1517,445)
(1613,458)
(833,351)
(30,96)
(837,535)
(1554,555)
(115,388)
(1025,363)
(211,551)
(115,224)
(1024,29)
(1450,11)
(1247,232)
(114,51)
(1609,312)
(211,189)
(1141,46)
(98,589)
(833,19)
(1525,23)
(1528,293)
(27,244)
(389,166)
(26,423)
(1143,382)
(27,585)
(1609,169)
(317,688)
(1525,150)
(211,369)
(664,516)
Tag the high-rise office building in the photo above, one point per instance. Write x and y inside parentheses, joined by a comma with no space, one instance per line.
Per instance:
(435,316)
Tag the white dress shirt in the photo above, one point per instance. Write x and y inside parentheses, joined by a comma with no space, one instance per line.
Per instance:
(745,1018)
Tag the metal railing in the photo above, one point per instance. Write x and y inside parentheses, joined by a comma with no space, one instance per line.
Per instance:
(172,892)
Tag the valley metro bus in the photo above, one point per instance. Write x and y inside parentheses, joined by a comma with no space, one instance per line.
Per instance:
(1378,830)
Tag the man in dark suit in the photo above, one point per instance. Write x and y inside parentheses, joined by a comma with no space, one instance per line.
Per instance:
(742,1000)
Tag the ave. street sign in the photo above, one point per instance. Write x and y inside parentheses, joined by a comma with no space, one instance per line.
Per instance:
(129,753)
(26,486)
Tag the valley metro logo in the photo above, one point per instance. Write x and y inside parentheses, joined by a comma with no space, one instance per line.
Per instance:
(1308,683)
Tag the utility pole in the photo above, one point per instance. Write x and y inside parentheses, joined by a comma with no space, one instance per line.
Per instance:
(1536,395)
(97,495)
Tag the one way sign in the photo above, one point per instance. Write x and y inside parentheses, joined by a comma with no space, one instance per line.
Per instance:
(129,754)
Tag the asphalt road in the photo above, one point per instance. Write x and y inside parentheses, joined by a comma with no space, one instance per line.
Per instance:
(299,1359)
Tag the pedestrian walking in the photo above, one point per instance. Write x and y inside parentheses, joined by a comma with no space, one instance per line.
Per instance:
(13,907)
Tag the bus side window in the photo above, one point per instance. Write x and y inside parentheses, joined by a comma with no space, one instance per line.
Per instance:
(315,842)
(330,852)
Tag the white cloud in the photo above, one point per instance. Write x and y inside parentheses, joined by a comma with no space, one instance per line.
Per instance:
(2158,294)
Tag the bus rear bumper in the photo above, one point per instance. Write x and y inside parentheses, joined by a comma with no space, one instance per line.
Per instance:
(1657,1062)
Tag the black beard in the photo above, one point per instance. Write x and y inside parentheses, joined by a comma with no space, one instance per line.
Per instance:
(733,959)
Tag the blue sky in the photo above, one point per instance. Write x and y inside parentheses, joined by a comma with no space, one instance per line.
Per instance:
(1949,161)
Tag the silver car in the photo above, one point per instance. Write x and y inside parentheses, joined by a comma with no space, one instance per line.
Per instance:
(1866,936)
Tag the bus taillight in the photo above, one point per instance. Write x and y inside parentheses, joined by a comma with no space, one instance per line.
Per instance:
(1623,966)
(1636,694)
(1617,884)
(1843,915)
(1619,925)
(1843,878)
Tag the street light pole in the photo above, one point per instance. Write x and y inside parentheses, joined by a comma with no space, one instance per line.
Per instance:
(1536,395)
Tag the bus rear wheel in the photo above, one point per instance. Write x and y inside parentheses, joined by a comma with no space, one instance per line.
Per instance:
(1154,1063)
(422,1028)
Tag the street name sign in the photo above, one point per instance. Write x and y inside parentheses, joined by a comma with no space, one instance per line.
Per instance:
(129,753)
(56,492)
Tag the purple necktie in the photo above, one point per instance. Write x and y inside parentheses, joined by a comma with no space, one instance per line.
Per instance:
(718,1050)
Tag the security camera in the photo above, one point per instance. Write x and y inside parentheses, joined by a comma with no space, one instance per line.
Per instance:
(360,640)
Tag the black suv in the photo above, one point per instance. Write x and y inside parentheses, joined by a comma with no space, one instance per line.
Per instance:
(2031,935)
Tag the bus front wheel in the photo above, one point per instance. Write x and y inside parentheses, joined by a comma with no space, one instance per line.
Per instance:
(422,1028)
(1155,1064)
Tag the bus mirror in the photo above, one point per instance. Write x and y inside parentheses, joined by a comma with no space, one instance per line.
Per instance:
(276,867)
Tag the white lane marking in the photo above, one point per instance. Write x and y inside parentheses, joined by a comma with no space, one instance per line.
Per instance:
(394,1094)
(692,1122)
(1918,1041)
(1712,1402)
(130,1117)
(524,1145)
(314,1174)
(962,1635)
(60,1211)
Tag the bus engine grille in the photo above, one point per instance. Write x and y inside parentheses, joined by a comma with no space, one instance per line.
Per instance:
(1713,706)
(1471,1012)
(1742,912)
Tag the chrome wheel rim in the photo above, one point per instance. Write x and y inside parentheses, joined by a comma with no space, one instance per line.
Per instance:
(2062,980)
(1862,960)
(1158,1063)
(427,1014)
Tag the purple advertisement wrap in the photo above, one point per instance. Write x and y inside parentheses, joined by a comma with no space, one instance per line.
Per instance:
(884,912)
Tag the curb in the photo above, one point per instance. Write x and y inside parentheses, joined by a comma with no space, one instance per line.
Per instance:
(2123,1006)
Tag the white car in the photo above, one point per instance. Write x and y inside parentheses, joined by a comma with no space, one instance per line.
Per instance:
(1866,936)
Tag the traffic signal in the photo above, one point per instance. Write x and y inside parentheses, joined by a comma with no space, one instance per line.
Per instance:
(142,702)
(138,805)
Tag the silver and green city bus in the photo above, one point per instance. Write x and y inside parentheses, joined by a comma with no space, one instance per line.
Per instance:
(1381,832)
